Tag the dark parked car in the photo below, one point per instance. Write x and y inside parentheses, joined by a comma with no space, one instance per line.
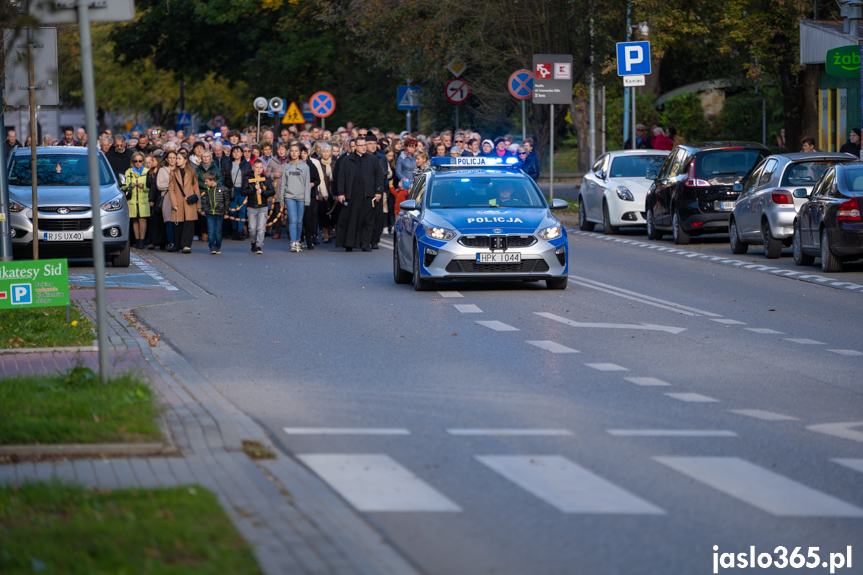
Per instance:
(695,189)
(829,225)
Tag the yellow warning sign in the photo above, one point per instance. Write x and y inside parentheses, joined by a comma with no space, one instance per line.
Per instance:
(293,115)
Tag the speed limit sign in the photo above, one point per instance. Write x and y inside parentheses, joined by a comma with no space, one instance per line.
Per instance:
(457,91)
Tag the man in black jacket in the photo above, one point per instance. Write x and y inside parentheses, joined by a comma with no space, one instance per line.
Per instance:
(529,161)
(119,157)
(360,186)
(373,150)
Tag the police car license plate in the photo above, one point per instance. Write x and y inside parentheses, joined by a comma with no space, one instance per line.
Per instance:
(63,236)
(728,206)
(499,258)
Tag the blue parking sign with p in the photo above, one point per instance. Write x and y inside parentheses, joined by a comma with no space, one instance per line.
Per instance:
(633,58)
(22,294)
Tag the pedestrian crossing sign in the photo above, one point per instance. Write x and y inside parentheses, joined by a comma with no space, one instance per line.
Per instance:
(293,115)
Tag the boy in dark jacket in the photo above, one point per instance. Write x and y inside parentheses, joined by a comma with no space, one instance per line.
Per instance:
(215,203)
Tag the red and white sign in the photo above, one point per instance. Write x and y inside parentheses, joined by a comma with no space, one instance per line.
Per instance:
(457,90)
(563,71)
(543,71)
(3,295)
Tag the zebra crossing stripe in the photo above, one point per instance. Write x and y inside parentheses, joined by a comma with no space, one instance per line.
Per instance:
(567,487)
(761,488)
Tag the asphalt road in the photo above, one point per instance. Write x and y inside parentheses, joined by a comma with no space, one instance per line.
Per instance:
(665,403)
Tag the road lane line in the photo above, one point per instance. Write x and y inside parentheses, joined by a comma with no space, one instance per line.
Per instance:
(647,327)
(761,488)
(606,367)
(345,431)
(728,321)
(643,297)
(671,433)
(511,432)
(376,482)
(762,414)
(552,346)
(848,352)
(646,381)
(843,430)
(803,341)
(450,294)
(566,486)
(764,330)
(855,464)
(691,397)
(498,326)
(467,308)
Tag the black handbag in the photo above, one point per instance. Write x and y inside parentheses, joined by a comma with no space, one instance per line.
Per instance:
(192,199)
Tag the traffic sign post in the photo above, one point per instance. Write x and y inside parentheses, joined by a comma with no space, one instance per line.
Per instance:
(322,105)
(552,84)
(457,91)
(521,87)
(633,64)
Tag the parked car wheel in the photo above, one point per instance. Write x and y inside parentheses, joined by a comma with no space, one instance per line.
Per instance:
(772,246)
(121,259)
(737,245)
(829,262)
(681,237)
(583,224)
(800,258)
(606,221)
(652,232)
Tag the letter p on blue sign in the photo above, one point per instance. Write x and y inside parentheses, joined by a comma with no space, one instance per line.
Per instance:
(22,294)
(633,58)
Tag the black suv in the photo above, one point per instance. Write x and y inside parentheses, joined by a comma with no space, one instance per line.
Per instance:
(695,189)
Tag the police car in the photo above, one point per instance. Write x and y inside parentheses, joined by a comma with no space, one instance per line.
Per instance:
(478,218)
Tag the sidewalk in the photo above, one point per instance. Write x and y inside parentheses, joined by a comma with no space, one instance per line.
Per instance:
(295,523)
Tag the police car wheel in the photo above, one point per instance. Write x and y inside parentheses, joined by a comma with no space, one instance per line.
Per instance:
(557,283)
(400,276)
(419,283)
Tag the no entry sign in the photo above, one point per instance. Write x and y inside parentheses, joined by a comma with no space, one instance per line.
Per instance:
(457,91)
(521,84)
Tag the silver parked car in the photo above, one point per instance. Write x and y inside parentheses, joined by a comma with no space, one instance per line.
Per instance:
(613,193)
(65,212)
(764,213)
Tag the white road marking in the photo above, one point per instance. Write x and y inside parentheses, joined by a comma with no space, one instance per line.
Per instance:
(376,482)
(691,397)
(498,326)
(635,296)
(848,352)
(761,488)
(149,270)
(450,294)
(644,327)
(606,367)
(843,430)
(467,308)
(855,464)
(646,381)
(386,244)
(803,341)
(764,330)
(566,486)
(761,414)
(345,431)
(510,432)
(728,321)
(552,346)
(671,433)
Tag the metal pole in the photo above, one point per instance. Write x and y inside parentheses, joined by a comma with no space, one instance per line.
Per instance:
(257,134)
(627,93)
(603,120)
(323,124)
(32,89)
(89,90)
(592,101)
(523,121)
(409,122)
(5,238)
(634,100)
(764,122)
(456,116)
(551,157)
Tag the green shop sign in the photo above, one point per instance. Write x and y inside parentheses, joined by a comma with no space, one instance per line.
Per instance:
(844,62)
(43,283)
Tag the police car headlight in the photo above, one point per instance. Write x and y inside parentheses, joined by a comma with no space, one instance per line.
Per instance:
(113,205)
(15,207)
(624,194)
(439,233)
(550,232)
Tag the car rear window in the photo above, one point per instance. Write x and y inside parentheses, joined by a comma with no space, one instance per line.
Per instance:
(854,180)
(483,191)
(56,170)
(634,166)
(726,163)
(806,173)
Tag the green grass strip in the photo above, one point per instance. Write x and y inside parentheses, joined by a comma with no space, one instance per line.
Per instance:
(44,327)
(56,529)
(73,407)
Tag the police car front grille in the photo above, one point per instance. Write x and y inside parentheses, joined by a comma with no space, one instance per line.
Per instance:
(483,241)
(72,225)
(471,267)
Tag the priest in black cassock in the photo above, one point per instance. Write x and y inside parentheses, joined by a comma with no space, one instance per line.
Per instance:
(359,188)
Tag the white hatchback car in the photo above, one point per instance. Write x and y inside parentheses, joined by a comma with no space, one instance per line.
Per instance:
(613,193)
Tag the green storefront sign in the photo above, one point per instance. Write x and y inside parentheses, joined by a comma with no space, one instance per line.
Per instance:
(843,62)
(43,283)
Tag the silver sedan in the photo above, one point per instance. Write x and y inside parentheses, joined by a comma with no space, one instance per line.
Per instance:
(772,196)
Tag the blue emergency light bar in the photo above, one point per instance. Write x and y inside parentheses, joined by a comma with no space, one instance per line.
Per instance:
(475,162)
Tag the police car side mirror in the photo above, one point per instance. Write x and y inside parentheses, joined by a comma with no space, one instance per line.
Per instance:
(122,179)
(408,205)
(800,193)
(651,174)
(558,204)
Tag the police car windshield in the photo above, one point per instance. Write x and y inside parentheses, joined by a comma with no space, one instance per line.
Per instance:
(56,170)
(483,191)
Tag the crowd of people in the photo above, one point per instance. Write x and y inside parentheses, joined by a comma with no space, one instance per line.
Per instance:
(313,186)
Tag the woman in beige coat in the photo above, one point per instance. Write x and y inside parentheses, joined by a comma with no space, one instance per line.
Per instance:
(184,184)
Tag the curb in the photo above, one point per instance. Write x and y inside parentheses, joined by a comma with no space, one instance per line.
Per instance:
(49,349)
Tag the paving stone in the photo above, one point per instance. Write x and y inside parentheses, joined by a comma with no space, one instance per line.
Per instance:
(143,472)
(105,474)
(84,472)
(45,471)
(123,471)
(7,474)
(180,469)
(162,472)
